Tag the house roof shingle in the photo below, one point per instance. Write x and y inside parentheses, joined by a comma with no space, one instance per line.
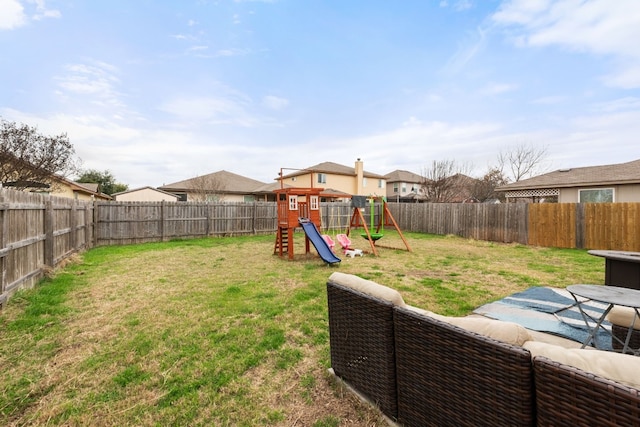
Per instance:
(225,182)
(141,189)
(621,173)
(333,168)
(403,176)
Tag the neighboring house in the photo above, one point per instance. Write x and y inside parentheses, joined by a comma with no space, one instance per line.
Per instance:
(62,187)
(39,181)
(404,186)
(339,181)
(220,186)
(76,190)
(145,194)
(463,189)
(608,183)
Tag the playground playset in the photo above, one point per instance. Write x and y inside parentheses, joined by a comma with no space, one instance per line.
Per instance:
(300,207)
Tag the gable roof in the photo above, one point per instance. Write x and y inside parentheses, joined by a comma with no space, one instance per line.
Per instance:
(621,173)
(225,182)
(403,176)
(135,190)
(332,168)
(91,186)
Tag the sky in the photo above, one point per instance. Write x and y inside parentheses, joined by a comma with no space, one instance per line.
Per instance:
(160,91)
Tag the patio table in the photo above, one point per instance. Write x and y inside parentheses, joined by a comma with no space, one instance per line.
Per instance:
(609,295)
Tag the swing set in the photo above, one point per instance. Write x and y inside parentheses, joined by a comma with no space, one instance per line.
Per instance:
(385,218)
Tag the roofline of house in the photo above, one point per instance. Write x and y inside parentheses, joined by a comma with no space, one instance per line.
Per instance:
(511,187)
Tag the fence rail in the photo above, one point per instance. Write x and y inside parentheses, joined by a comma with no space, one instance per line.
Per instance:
(38,232)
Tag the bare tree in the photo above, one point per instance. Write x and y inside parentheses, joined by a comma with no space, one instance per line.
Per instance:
(206,188)
(443,182)
(484,188)
(29,159)
(523,161)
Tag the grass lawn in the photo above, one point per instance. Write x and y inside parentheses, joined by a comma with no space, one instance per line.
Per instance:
(222,332)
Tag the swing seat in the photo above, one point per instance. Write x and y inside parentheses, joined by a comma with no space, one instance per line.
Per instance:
(374,236)
(344,241)
(329,241)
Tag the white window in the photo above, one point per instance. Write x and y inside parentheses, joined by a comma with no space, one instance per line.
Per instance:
(293,203)
(322,178)
(404,187)
(364,182)
(395,187)
(313,203)
(596,195)
(381,183)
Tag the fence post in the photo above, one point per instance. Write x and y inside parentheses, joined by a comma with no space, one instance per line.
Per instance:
(580,228)
(73,223)
(3,239)
(207,205)
(162,212)
(49,256)
(94,224)
(87,218)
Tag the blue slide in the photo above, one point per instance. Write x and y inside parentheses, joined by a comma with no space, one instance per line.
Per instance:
(321,246)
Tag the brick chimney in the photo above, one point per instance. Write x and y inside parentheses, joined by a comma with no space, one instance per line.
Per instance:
(359,177)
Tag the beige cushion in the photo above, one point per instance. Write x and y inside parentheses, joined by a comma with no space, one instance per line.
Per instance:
(367,287)
(623,316)
(508,332)
(623,368)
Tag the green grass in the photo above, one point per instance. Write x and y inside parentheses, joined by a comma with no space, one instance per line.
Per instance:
(221,332)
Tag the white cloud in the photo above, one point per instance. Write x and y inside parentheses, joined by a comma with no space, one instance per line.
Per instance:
(497,88)
(549,100)
(461,5)
(474,44)
(228,108)
(197,48)
(458,6)
(412,121)
(600,27)
(232,52)
(275,102)
(12,15)
(94,80)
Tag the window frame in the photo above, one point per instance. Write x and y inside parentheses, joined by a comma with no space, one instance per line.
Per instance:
(585,190)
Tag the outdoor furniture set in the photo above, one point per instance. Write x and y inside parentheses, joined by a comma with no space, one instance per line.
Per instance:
(424,369)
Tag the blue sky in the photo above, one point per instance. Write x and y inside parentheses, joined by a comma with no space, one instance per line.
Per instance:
(161,91)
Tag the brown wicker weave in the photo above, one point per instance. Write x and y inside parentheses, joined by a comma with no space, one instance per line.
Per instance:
(568,396)
(621,333)
(362,344)
(448,376)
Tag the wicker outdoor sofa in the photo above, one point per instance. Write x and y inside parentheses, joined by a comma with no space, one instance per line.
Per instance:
(423,369)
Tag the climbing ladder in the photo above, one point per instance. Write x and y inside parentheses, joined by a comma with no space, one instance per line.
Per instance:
(284,242)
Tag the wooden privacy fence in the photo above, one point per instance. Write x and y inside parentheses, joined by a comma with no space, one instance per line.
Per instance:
(120,223)
(611,226)
(37,232)
(494,222)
